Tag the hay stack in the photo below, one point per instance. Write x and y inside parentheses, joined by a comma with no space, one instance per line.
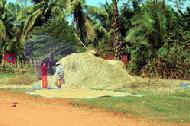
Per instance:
(84,70)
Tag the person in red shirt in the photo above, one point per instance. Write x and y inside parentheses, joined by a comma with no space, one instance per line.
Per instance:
(44,76)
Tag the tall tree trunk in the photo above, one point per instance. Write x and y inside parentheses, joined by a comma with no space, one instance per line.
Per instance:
(117,38)
(164,4)
(82,38)
(3,55)
(79,20)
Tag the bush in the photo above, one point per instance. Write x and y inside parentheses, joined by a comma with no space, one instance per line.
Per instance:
(139,59)
(172,63)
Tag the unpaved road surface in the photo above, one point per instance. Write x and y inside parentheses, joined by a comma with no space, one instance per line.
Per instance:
(30,111)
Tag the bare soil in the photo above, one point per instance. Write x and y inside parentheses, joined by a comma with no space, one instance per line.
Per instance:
(22,110)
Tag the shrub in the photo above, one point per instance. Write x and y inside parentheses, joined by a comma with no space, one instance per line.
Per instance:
(170,63)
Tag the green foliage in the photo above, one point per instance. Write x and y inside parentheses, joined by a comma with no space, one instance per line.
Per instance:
(169,108)
(157,35)
(158,42)
(172,59)
(52,37)
(58,29)
(171,62)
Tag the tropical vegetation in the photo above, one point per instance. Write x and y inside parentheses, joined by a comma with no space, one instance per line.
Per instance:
(154,34)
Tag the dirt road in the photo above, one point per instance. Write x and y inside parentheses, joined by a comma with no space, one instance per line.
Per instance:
(31,111)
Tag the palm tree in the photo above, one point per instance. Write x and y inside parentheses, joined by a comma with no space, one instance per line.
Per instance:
(5,27)
(2,39)
(31,17)
(107,27)
(2,24)
(149,26)
(17,22)
(118,42)
(77,9)
(101,19)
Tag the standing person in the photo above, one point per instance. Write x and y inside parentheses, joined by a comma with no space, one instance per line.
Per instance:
(44,76)
(59,76)
(37,66)
(51,65)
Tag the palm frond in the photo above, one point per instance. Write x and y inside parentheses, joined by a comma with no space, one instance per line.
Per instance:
(99,28)
(28,25)
(91,34)
(2,3)
(96,10)
(69,10)
(77,2)
(2,31)
(162,20)
(145,21)
(132,34)
(135,37)
(23,13)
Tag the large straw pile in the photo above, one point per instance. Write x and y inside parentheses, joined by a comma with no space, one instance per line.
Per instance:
(84,70)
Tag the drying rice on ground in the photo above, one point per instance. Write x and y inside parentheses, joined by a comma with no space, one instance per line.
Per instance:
(77,93)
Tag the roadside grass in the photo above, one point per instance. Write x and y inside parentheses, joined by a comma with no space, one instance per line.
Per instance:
(14,79)
(16,91)
(7,75)
(172,108)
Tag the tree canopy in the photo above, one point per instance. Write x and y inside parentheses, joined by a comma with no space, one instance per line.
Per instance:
(154,34)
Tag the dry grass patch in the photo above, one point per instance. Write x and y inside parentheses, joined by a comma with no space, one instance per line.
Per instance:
(23,79)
